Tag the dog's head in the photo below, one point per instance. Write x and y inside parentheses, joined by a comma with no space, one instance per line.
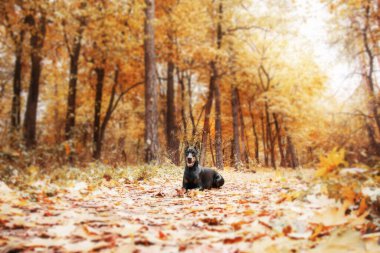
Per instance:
(191,156)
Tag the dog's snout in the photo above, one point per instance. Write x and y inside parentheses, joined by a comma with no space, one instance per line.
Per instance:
(189,159)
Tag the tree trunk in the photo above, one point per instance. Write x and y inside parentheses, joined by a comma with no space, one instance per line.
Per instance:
(218,129)
(97,143)
(244,150)
(265,145)
(182,103)
(17,86)
(378,13)
(57,125)
(374,145)
(293,161)
(291,156)
(110,108)
(36,44)
(211,150)
(190,91)
(372,101)
(310,153)
(279,138)
(235,124)
(206,124)
(214,90)
(171,127)
(254,133)
(218,108)
(270,140)
(71,97)
(151,96)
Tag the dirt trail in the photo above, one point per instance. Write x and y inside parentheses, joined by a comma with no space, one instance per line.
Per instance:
(262,212)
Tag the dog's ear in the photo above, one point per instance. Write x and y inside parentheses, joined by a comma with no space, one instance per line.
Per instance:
(197,146)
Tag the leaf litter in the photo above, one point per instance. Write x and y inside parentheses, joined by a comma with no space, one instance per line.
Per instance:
(261,212)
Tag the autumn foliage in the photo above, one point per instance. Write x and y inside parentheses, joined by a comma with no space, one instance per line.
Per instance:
(73,75)
(99,98)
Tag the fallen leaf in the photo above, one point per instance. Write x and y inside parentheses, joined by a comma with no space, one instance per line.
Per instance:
(332,216)
(317,231)
(341,241)
(286,230)
(232,240)
(211,221)
(363,206)
(143,241)
(162,235)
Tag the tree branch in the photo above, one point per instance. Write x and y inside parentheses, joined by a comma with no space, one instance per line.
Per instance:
(244,28)
(125,92)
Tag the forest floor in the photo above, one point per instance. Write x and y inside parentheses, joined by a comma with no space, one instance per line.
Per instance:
(267,211)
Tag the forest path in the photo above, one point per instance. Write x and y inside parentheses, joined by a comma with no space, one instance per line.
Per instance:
(263,212)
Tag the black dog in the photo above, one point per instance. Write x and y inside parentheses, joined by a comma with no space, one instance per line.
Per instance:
(197,177)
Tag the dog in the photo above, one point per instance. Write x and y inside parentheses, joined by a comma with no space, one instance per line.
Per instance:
(197,177)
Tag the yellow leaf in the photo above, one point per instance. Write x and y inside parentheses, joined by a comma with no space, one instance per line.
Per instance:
(316,232)
(33,170)
(348,194)
(330,162)
(249,212)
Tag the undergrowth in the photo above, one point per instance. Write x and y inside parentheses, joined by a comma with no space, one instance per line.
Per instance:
(94,174)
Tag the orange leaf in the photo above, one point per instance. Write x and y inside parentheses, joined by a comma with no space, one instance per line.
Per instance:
(211,221)
(363,206)
(232,240)
(287,230)
(162,235)
(67,149)
(317,231)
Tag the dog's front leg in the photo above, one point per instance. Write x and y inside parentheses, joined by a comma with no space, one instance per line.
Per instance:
(185,183)
(199,185)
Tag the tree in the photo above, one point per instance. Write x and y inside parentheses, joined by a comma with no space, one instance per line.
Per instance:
(214,92)
(151,96)
(15,24)
(358,22)
(235,139)
(279,140)
(172,129)
(37,22)
(255,135)
(74,49)
(171,122)
(100,74)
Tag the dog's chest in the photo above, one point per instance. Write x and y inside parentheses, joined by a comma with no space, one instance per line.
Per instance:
(192,176)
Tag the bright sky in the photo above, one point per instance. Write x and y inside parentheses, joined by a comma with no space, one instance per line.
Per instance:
(315,28)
